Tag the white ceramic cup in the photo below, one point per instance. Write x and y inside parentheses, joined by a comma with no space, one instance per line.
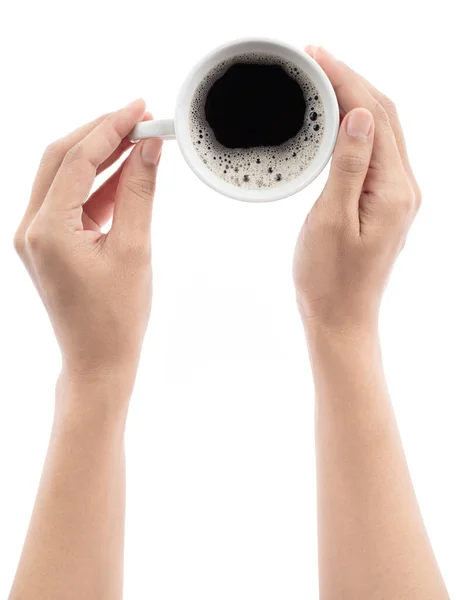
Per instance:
(179,127)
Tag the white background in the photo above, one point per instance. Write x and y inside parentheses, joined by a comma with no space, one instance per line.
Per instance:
(220,436)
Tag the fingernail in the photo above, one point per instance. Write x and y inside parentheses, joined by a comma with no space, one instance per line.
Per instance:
(151,150)
(322,51)
(130,104)
(310,49)
(359,123)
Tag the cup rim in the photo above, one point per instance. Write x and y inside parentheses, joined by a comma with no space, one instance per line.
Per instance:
(257,45)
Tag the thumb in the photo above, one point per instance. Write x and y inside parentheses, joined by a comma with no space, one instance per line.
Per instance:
(350,162)
(136,189)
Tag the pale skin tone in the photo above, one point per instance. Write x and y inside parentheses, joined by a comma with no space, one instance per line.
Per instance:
(371,537)
(97,290)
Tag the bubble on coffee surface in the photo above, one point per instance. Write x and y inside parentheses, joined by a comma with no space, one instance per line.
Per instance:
(263,166)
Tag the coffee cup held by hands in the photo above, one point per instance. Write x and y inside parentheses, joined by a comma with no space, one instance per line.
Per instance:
(256,120)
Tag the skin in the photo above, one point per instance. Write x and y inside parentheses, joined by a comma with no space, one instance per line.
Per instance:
(372,540)
(97,290)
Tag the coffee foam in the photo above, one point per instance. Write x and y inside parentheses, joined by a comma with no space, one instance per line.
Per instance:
(260,167)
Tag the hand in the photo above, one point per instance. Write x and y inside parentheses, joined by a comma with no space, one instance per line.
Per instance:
(96,287)
(358,226)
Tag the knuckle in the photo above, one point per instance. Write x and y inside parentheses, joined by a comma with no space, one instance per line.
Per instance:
(352,164)
(406,202)
(389,106)
(53,151)
(418,198)
(19,242)
(74,154)
(380,112)
(141,187)
(35,237)
(113,134)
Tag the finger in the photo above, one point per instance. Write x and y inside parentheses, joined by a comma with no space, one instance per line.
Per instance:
(49,165)
(392,114)
(310,49)
(349,165)
(98,209)
(385,102)
(396,126)
(76,174)
(135,193)
(125,145)
(52,159)
(351,94)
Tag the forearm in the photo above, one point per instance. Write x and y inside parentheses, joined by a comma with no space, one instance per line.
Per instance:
(372,541)
(74,546)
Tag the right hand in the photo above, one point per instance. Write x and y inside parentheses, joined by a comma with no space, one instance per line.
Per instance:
(96,287)
(358,226)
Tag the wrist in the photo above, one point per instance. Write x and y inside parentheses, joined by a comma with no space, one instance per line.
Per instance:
(88,417)
(346,364)
(340,314)
(101,395)
(341,332)
(347,342)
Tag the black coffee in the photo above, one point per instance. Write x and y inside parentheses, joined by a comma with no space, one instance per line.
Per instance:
(256,121)
(255,105)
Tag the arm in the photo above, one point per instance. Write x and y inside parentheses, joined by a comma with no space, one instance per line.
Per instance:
(96,288)
(372,540)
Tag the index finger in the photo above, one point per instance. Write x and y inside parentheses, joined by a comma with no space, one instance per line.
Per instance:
(76,175)
(49,165)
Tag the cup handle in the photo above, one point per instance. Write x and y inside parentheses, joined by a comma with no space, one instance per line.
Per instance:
(153,129)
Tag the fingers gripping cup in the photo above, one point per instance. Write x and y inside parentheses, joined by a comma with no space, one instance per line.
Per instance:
(256,120)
